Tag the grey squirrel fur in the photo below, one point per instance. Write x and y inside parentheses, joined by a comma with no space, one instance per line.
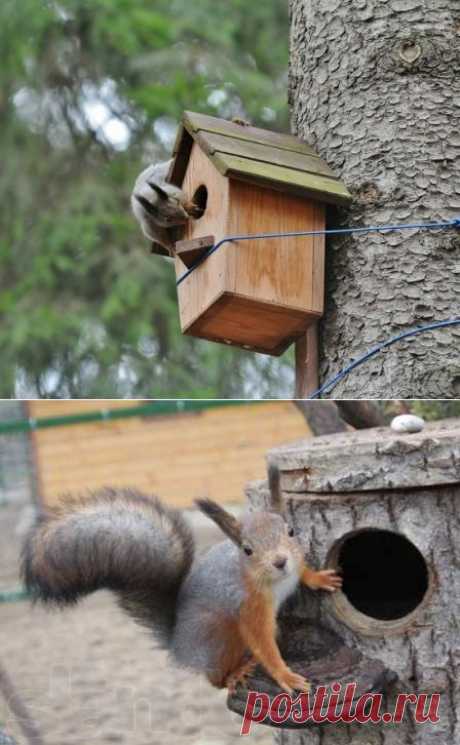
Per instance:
(161,208)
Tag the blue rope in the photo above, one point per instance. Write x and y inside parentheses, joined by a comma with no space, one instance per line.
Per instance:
(330,384)
(454,223)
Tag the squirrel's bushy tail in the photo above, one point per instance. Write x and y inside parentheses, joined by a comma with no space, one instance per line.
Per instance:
(116,539)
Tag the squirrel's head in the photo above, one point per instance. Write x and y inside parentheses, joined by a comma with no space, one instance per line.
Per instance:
(269,549)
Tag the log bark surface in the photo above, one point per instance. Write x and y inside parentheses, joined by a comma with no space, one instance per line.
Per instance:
(371,459)
(424,651)
(374,87)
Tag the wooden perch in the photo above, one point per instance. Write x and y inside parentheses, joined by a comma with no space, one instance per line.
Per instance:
(190,251)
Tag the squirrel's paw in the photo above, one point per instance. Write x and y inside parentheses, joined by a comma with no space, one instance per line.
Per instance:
(291,681)
(240,675)
(327,579)
(240,121)
(192,209)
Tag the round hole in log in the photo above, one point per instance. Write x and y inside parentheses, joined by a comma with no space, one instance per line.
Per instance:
(385,580)
(200,198)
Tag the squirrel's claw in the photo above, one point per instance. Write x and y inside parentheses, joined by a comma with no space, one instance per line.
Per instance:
(326,579)
(161,192)
(240,675)
(192,209)
(329,580)
(291,681)
(148,206)
(240,121)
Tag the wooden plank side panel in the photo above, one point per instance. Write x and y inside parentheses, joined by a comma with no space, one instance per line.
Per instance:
(319,255)
(43,408)
(209,282)
(180,457)
(201,172)
(86,438)
(276,270)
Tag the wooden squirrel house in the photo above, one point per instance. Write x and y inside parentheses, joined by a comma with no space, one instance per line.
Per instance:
(259,294)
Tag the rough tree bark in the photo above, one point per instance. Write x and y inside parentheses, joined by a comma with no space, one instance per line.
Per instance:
(403,484)
(374,86)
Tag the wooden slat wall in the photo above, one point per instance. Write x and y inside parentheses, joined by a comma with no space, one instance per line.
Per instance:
(46,408)
(179,457)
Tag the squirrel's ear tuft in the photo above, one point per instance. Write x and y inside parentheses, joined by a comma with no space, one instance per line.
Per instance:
(226,522)
(148,207)
(276,500)
(161,192)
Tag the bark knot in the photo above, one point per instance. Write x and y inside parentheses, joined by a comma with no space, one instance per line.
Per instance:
(410,51)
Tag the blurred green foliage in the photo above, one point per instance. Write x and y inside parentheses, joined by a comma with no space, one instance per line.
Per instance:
(428,409)
(432,410)
(90,92)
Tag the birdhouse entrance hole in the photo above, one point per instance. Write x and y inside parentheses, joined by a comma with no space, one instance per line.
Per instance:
(385,580)
(200,198)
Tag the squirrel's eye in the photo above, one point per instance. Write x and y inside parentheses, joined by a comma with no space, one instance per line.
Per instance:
(247,550)
(291,532)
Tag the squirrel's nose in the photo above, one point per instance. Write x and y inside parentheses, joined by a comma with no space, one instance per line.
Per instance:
(280,562)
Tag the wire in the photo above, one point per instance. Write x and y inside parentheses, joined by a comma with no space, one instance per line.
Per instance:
(454,223)
(330,384)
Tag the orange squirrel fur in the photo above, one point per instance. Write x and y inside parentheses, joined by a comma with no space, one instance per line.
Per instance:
(254,629)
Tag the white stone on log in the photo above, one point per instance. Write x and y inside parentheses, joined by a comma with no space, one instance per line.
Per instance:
(407,423)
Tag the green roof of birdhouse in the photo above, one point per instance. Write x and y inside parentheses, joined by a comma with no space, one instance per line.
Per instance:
(260,156)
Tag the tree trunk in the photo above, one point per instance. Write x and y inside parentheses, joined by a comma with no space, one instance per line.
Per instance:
(327,417)
(385,508)
(322,417)
(360,414)
(373,87)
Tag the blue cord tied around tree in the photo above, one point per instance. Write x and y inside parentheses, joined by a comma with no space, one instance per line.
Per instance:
(454,223)
(332,382)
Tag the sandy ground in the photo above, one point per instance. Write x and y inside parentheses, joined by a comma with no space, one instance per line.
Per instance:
(90,675)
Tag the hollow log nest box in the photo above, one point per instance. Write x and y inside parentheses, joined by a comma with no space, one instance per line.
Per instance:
(385,509)
(259,294)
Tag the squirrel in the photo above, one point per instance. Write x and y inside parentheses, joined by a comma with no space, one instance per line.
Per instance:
(161,208)
(215,614)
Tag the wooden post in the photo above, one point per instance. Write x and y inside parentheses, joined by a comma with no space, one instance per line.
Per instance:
(306,363)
